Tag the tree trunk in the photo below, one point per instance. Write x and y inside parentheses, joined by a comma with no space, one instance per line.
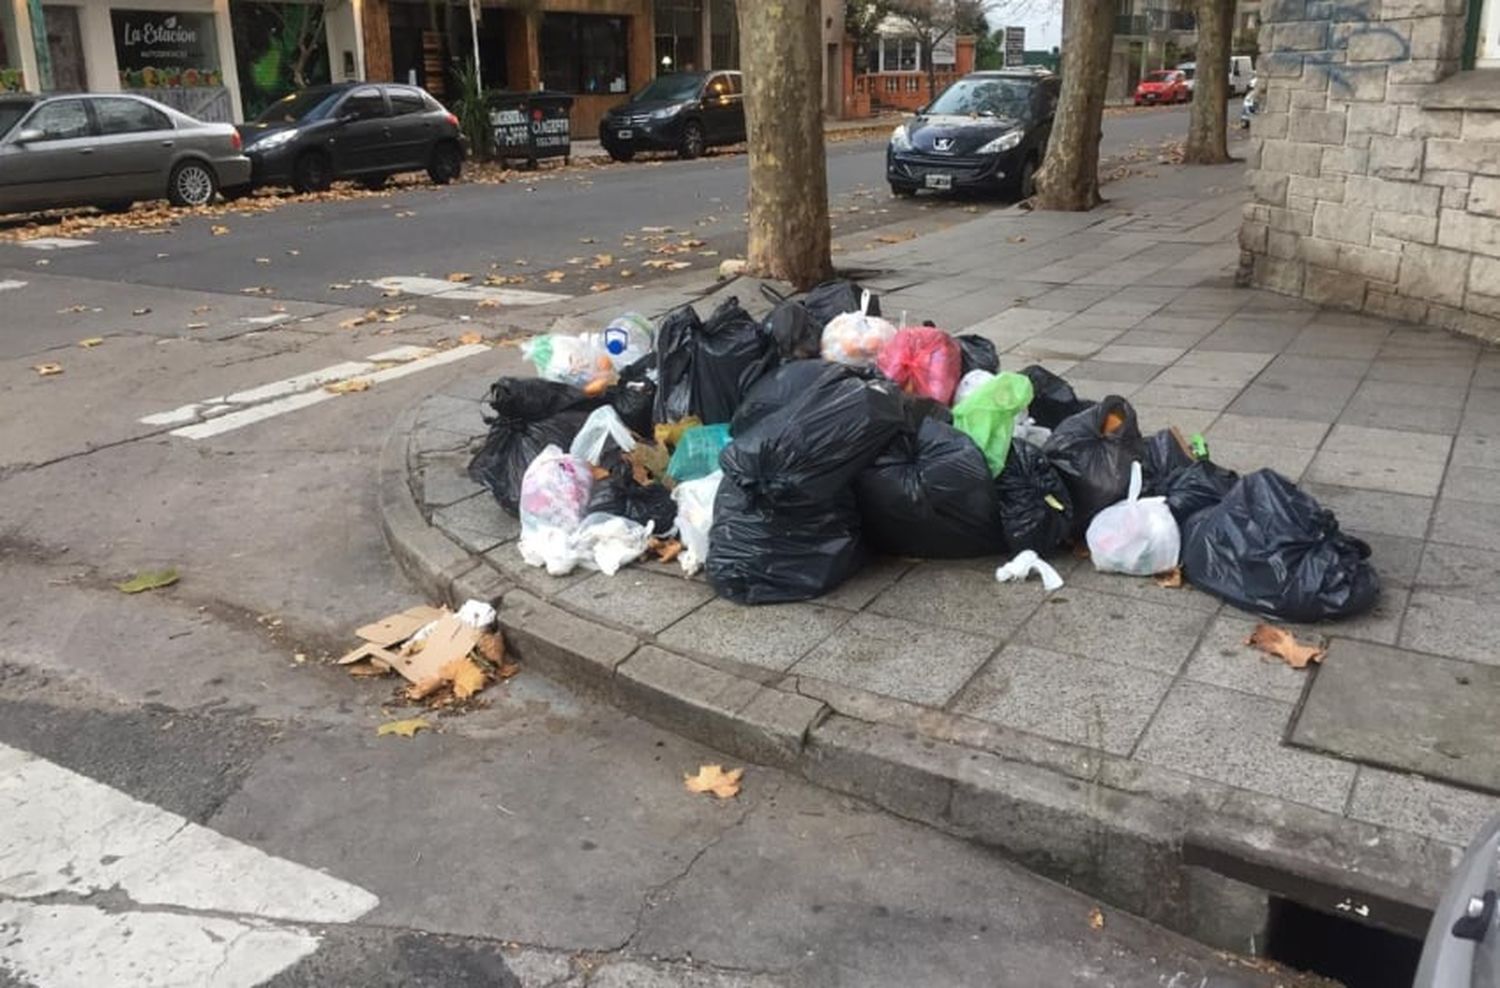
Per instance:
(1069,177)
(1208,138)
(781,51)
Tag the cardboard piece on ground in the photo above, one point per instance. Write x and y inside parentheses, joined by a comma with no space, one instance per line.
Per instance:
(384,658)
(450,639)
(398,627)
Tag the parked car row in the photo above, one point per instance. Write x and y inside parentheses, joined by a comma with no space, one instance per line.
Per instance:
(110,150)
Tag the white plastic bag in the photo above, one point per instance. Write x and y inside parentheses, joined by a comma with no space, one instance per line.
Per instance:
(695,516)
(554,498)
(969,382)
(856,339)
(608,542)
(1023,565)
(1138,536)
(1028,431)
(602,426)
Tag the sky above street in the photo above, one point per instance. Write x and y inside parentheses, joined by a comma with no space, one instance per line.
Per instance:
(1042,20)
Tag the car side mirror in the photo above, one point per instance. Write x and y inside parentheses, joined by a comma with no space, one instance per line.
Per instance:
(921,110)
(348,118)
(29,135)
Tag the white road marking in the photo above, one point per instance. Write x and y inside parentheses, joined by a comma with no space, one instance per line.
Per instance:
(55,243)
(270,320)
(11,285)
(295,402)
(62,834)
(438,288)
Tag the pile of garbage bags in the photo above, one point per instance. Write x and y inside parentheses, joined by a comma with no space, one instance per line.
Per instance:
(782,453)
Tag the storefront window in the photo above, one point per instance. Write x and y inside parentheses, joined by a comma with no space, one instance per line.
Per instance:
(583,53)
(278,48)
(678,23)
(165,50)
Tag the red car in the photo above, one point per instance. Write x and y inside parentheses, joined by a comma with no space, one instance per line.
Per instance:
(1163,86)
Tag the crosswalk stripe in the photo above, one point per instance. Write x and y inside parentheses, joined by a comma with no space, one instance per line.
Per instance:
(462,292)
(65,837)
(11,284)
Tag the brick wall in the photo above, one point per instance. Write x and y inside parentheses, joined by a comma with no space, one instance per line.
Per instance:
(1374,164)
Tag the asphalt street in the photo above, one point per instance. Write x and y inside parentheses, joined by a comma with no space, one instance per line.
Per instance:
(190,793)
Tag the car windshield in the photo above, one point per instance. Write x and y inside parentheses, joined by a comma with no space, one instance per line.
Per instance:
(11,111)
(683,85)
(298,106)
(984,98)
(1158,77)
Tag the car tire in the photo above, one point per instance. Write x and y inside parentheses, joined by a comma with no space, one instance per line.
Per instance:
(1024,185)
(692,145)
(192,183)
(374,183)
(312,172)
(447,163)
(622,154)
(902,191)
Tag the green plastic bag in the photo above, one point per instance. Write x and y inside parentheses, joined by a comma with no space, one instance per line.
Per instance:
(697,452)
(988,415)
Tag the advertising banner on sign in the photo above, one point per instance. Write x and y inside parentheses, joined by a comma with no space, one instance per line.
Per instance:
(159,49)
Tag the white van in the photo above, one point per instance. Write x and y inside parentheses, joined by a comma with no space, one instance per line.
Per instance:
(1241,71)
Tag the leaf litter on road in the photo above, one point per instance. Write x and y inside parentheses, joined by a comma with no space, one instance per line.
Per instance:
(91,342)
(1282,644)
(406,728)
(153,579)
(48,369)
(351,386)
(713,779)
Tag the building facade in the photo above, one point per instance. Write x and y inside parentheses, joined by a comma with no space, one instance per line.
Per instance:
(1374,165)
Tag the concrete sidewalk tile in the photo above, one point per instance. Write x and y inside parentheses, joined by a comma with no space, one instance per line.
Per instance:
(1235,739)
(1480,423)
(1477,451)
(1362,469)
(1396,558)
(1223,659)
(478,523)
(1085,577)
(1375,511)
(444,480)
(1380,624)
(507,559)
(772,637)
(1390,443)
(1156,637)
(1472,523)
(1435,372)
(1049,347)
(1205,377)
(1401,393)
(1161,355)
(1472,484)
(1244,458)
(1072,299)
(1461,571)
(1105,370)
(1313,344)
(1106,315)
(1212,399)
(1080,701)
(638,599)
(1246,341)
(919,663)
(1296,369)
(1200,326)
(1486,376)
(1483,400)
(1420,806)
(1099,390)
(960,595)
(1411,418)
(1451,626)
(1312,403)
(1267,431)
(1145,337)
(856,593)
(1189,420)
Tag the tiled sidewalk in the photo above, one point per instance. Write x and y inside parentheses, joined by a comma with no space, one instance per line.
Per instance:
(1395,427)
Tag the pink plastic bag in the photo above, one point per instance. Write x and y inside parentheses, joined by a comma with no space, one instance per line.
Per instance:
(923,361)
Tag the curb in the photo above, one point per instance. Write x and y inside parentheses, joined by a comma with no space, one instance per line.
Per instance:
(1196,856)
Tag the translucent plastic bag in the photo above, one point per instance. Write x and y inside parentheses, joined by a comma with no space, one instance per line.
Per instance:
(695,517)
(969,382)
(1138,536)
(627,339)
(856,339)
(554,498)
(923,360)
(697,452)
(576,360)
(608,542)
(602,427)
(988,415)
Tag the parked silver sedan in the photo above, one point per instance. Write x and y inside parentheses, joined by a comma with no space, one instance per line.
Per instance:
(110,150)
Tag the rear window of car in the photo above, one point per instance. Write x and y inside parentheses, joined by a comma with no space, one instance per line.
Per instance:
(11,111)
(61,120)
(1159,76)
(128,116)
(406,101)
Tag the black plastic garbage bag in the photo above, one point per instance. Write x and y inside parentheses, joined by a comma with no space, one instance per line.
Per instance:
(1199,485)
(1095,464)
(619,494)
(676,344)
(1036,510)
(733,352)
(634,396)
(978,354)
(1271,549)
(527,415)
(808,450)
(833,298)
(1165,455)
(797,334)
(1053,398)
(760,554)
(930,495)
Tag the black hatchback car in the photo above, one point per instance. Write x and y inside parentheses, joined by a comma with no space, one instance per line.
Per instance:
(686,112)
(352,130)
(986,132)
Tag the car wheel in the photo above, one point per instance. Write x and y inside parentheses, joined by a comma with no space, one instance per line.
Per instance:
(622,154)
(1025,184)
(374,182)
(692,141)
(902,191)
(447,163)
(312,172)
(191,183)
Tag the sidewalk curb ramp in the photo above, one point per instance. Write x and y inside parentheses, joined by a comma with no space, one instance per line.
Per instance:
(1197,856)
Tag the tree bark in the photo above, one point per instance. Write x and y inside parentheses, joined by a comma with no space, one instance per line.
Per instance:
(781,51)
(1208,137)
(1069,176)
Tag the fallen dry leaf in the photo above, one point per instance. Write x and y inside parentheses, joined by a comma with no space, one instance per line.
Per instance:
(466,677)
(665,550)
(198,310)
(1282,644)
(339,286)
(48,369)
(553,277)
(91,342)
(262,260)
(1096,919)
(347,387)
(600,286)
(471,337)
(197,325)
(492,647)
(487,303)
(1171,579)
(403,728)
(140,312)
(459,277)
(351,323)
(602,261)
(587,240)
(713,778)
(217,230)
(149,580)
(895,238)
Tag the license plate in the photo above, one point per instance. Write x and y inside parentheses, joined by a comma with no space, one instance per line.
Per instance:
(624,135)
(1150,97)
(939,181)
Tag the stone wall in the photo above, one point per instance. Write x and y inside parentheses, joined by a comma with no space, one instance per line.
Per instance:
(1374,165)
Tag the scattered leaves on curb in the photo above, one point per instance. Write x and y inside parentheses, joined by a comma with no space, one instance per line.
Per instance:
(1171,579)
(600,286)
(492,647)
(347,387)
(487,303)
(553,277)
(466,677)
(153,579)
(471,337)
(47,369)
(1096,919)
(713,778)
(1282,644)
(91,342)
(459,277)
(896,238)
(403,728)
(218,230)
